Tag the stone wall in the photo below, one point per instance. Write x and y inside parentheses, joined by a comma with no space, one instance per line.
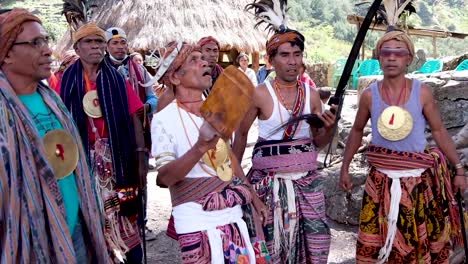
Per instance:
(320,73)
(451,64)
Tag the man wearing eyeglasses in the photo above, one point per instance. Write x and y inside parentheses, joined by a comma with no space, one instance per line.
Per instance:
(48,207)
(104,107)
(406,216)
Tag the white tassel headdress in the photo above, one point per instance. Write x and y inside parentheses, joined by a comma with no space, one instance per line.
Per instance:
(270,12)
(163,64)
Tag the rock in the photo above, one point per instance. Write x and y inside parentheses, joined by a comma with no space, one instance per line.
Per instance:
(341,206)
(453,63)
(460,75)
(433,82)
(319,73)
(367,130)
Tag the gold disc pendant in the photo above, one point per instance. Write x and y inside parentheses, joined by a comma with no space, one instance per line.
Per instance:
(216,157)
(61,151)
(224,172)
(91,104)
(395,123)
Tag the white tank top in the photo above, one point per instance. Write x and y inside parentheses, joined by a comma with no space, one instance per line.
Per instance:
(265,127)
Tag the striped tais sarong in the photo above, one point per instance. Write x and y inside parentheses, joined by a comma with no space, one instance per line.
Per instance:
(283,175)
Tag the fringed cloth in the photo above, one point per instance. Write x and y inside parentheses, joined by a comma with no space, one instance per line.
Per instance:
(33,226)
(209,238)
(422,225)
(283,175)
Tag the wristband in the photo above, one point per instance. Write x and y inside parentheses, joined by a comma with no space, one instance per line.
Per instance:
(458,166)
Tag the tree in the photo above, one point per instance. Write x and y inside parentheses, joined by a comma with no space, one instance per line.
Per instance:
(425,14)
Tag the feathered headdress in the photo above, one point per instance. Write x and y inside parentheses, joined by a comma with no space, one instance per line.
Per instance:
(270,12)
(78,12)
(393,13)
(273,14)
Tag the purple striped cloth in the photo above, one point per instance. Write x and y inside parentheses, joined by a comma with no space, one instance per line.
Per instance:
(33,227)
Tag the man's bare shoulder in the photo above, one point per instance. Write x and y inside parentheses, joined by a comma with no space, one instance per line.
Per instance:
(366,98)
(261,94)
(426,91)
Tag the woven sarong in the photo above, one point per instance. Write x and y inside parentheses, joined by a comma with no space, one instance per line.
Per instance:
(288,169)
(428,224)
(195,247)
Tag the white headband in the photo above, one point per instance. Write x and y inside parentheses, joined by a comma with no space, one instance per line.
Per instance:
(163,65)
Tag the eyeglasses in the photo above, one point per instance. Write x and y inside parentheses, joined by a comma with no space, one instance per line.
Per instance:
(37,43)
(387,52)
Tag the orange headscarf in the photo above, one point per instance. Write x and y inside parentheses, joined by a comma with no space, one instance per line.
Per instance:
(10,26)
(283,37)
(88,30)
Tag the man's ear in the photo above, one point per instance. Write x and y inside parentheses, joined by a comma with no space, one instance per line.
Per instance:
(174,78)
(7,59)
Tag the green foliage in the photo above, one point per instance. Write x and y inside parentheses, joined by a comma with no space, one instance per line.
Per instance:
(49,11)
(329,35)
(425,14)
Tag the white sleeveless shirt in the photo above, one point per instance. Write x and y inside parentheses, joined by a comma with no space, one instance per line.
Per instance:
(266,127)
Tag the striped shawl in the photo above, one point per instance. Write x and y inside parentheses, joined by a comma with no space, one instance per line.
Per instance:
(33,227)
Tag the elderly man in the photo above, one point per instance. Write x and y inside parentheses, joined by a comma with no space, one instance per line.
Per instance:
(284,161)
(104,107)
(210,52)
(207,191)
(409,213)
(48,204)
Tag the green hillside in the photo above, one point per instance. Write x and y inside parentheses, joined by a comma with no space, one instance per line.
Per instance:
(323,22)
(48,10)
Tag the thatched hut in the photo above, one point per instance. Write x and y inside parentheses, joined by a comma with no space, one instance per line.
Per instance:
(151,24)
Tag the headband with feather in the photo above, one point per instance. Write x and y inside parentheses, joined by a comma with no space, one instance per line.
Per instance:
(273,14)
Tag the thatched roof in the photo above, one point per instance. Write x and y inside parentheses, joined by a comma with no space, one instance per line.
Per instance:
(151,24)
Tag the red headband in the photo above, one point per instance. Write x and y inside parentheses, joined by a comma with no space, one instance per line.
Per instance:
(203,41)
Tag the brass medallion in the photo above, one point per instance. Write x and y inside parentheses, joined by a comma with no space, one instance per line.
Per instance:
(395,123)
(218,159)
(61,151)
(224,172)
(215,157)
(91,104)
